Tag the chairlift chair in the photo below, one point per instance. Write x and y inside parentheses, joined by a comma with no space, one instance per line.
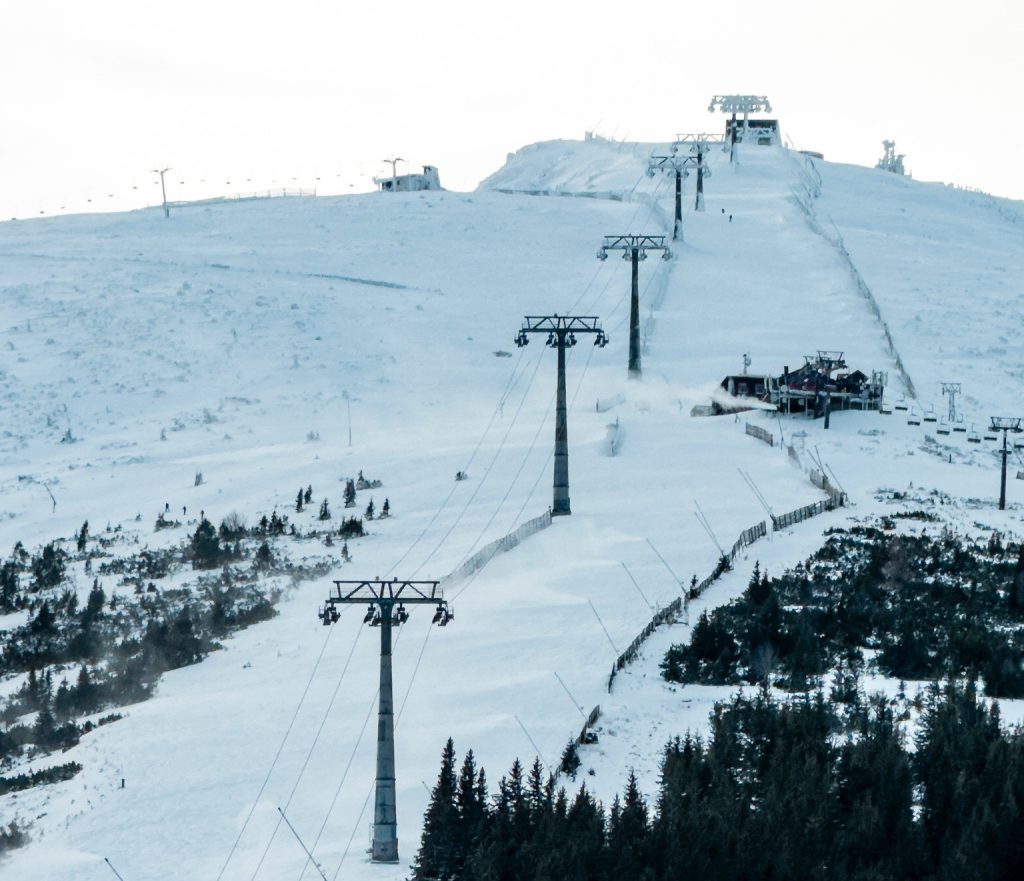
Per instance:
(942,428)
(973,437)
(929,414)
(902,405)
(960,427)
(884,411)
(913,418)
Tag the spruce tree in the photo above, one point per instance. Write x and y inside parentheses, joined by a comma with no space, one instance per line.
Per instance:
(48,567)
(205,546)
(44,621)
(471,803)
(325,512)
(350,493)
(437,854)
(264,556)
(9,594)
(570,763)
(85,692)
(628,833)
(94,604)
(298,502)
(44,732)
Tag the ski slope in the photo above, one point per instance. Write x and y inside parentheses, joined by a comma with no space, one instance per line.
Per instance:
(235,340)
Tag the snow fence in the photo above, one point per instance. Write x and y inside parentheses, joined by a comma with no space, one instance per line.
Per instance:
(725,563)
(482,557)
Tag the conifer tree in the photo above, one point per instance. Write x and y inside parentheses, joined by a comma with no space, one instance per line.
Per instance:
(570,763)
(85,691)
(437,855)
(325,512)
(298,502)
(350,493)
(205,546)
(48,567)
(308,497)
(471,802)
(63,701)
(44,621)
(9,594)
(94,604)
(44,731)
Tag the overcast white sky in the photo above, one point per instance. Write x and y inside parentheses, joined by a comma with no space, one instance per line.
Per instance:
(279,93)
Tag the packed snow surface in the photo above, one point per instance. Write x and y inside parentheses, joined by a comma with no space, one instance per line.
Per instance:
(249,341)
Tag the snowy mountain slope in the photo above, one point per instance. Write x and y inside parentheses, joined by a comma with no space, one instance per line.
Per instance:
(235,329)
(944,266)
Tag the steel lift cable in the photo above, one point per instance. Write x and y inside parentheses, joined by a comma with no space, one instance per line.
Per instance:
(512,380)
(277,755)
(309,753)
(490,466)
(511,486)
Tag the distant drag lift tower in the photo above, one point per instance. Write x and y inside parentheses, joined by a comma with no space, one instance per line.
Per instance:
(891,161)
(951,389)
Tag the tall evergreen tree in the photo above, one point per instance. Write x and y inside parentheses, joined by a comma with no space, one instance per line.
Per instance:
(438,854)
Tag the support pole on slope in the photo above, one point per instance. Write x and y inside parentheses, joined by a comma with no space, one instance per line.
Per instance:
(1004,424)
(677,165)
(634,249)
(700,144)
(385,602)
(112,869)
(163,192)
(561,333)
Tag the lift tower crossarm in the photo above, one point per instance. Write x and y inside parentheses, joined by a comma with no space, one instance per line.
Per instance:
(745,104)
(560,324)
(407,592)
(561,333)
(634,249)
(629,242)
(701,137)
(386,601)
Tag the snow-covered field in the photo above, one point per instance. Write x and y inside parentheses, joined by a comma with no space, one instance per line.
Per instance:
(236,339)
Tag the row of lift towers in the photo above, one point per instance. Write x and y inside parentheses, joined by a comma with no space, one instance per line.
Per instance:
(1006,424)
(386,600)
